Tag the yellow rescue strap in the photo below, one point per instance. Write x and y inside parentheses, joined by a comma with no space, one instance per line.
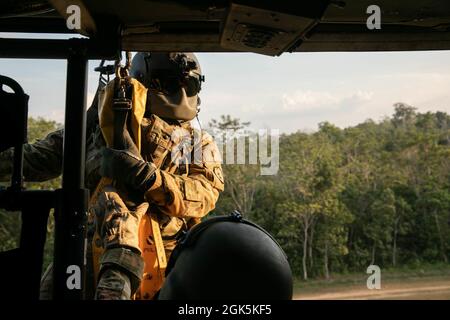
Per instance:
(153,252)
(154,256)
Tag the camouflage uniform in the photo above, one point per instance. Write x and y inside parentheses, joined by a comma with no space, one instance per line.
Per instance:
(181,194)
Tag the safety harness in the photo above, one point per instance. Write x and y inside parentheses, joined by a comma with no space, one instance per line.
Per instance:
(121,107)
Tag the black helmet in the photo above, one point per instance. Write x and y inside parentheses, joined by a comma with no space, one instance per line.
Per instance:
(227,257)
(174,81)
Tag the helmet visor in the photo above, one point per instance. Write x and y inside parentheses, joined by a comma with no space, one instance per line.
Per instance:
(169,84)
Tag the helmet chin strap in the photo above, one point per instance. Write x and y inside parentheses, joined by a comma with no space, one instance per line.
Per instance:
(199,123)
(198,111)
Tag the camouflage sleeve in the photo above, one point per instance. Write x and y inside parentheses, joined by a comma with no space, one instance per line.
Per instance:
(193,195)
(42,160)
(113,285)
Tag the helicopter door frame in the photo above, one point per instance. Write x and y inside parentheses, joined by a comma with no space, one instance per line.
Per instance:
(71,201)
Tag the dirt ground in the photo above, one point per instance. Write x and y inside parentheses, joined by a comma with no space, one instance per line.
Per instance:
(411,289)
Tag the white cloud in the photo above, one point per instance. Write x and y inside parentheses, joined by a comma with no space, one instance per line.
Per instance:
(323,100)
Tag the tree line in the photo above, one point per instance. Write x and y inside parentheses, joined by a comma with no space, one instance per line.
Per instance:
(375,193)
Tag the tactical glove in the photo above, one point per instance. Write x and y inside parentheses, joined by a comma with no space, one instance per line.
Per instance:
(127,169)
(120,233)
(119,224)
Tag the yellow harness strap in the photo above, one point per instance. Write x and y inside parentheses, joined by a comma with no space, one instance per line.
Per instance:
(160,252)
(106,112)
(154,256)
(153,252)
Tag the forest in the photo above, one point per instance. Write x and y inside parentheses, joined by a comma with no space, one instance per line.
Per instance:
(342,199)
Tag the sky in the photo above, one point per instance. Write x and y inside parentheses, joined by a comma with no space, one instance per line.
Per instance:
(291,92)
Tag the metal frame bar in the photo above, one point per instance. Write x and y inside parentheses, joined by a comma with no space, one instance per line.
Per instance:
(32,242)
(71,211)
(34,204)
(23,266)
(72,200)
(57,48)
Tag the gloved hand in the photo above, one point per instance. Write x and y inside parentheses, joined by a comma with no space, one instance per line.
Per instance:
(121,264)
(127,166)
(128,169)
(119,225)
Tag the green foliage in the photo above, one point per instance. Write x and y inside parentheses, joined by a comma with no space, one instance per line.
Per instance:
(9,230)
(226,122)
(10,221)
(39,128)
(242,180)
(378,192)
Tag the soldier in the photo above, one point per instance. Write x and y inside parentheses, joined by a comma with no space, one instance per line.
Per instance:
(177,193)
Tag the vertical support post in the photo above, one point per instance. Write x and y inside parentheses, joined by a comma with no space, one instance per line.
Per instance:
(17,174)
(32,242)
(72,199)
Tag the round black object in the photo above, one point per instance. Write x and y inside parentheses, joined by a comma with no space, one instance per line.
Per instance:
(228,258)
